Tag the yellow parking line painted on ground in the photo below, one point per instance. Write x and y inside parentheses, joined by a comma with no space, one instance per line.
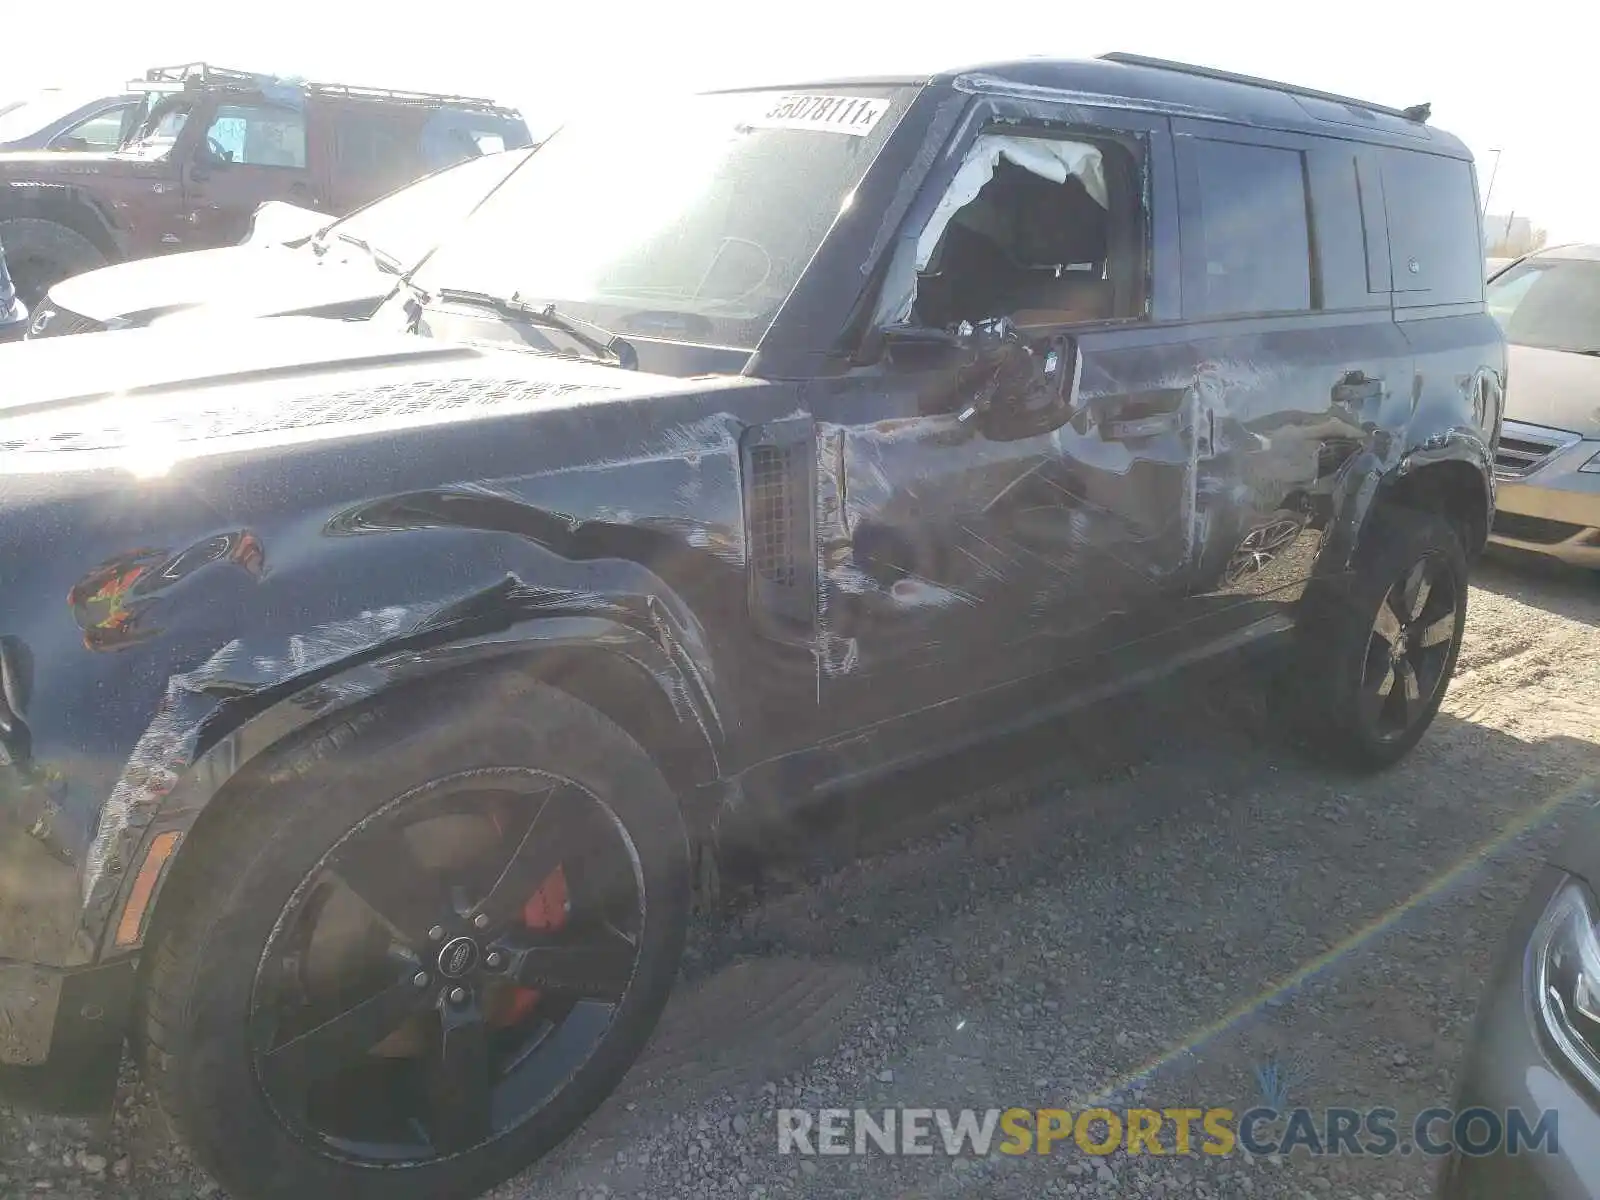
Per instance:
(1440,883)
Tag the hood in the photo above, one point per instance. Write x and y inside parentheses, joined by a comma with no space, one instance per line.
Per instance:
(1554,388)
(142,399)
(235,281)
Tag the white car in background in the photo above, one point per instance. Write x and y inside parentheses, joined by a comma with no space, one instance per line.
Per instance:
(295,261)
(1548,462)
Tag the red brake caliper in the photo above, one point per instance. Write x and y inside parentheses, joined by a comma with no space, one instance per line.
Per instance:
(545,912)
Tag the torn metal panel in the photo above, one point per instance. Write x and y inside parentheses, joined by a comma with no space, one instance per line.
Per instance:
(629,522)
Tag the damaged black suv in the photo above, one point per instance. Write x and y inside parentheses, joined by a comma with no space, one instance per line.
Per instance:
(374,695)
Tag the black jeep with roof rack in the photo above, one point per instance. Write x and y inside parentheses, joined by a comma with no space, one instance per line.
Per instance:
(211,145)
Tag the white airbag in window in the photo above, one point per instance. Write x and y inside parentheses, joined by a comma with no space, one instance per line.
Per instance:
(1045,157)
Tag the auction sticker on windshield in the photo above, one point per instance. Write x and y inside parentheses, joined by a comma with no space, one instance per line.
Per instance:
(855,115)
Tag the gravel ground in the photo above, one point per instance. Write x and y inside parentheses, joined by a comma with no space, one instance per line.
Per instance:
(1160,896)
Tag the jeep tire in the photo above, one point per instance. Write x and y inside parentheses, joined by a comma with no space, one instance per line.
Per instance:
(41,253)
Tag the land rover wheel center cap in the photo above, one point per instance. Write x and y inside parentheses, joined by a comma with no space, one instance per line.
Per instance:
(458,957)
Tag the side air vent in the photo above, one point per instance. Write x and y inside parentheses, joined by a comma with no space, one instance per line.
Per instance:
(772,514)
(779,475)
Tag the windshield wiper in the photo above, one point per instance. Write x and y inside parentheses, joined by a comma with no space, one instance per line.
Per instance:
(599,341)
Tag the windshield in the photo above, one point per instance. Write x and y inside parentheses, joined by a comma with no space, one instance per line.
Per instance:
(689,220)
(24,118)
(1553,303)
(406,224)
(161,126)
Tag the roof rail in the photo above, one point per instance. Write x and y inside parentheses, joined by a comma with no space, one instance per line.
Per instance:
(1417,114)
(203,74)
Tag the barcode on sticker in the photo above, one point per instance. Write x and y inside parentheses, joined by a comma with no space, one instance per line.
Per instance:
(854,115)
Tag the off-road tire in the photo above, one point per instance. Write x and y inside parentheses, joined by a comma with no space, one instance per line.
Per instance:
(1337,626)
(231,884)
(41,253)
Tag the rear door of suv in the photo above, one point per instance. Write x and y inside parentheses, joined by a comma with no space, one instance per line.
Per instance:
(1286,289)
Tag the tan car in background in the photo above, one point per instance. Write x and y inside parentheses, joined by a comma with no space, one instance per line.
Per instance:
(1548,461)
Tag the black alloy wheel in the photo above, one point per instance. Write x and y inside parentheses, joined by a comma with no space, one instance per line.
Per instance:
(414,951)
(449,1018)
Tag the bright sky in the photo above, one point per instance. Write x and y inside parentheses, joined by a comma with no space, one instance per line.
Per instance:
(1515,77)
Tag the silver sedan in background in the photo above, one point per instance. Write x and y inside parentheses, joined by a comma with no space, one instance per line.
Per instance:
(1548,462)
(1536,1046)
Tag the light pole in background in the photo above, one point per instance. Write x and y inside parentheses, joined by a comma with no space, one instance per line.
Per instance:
(1493,171)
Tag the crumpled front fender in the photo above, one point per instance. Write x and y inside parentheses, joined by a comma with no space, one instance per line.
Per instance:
(224,738)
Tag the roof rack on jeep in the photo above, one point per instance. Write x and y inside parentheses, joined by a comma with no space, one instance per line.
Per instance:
(204,74)
(404,97)
(1417,113)
(200,73)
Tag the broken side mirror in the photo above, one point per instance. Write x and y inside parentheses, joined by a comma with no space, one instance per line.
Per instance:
(1028,388)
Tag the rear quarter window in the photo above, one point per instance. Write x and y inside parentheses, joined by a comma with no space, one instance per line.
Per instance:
(1435,237)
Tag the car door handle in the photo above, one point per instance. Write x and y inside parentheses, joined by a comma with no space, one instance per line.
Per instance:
(1355,388)
(1140,427)
(1143,414)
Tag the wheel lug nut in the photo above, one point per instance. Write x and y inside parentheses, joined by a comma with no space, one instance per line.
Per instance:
(457,995)
(420,979)
(481,920)
(436,932)
(493,959)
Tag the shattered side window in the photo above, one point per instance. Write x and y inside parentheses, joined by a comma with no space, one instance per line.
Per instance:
(1025,230)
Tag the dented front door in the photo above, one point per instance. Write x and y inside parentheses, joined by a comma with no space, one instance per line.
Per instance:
(953,562)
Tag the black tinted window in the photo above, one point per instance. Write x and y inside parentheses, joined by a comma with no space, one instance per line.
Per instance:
(1435,239)
(451,135)
(376,151)
(372,142)
(1255,247)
